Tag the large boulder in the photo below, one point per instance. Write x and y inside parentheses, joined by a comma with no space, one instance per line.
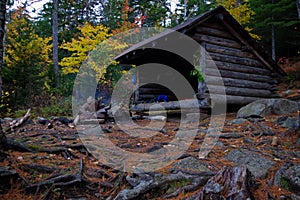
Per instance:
(189,165)
(266,107)
(257,164)
(288,177)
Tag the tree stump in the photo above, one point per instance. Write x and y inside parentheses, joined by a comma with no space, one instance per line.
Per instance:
(232,183)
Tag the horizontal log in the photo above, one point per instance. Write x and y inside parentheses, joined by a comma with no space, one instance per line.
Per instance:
(239,68)
(152,86)
(234,59)
(228,51)
(216,40)
(171,105)
(213,23)
(213,80)
(233,100)
(149,97)
(214,32)
(240,75)
(158,91)
(236,91)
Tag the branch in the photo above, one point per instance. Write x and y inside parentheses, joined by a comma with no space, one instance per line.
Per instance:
(18,122)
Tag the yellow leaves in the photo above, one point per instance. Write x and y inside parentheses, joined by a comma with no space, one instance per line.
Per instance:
(90,37)
(24,46)
(240,11)
(92,48)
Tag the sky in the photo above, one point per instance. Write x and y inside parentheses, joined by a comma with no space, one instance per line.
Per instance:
(37,5)
(34,7)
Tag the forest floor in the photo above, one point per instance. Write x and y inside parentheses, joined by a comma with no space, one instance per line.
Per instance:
(59,155)
(59,166)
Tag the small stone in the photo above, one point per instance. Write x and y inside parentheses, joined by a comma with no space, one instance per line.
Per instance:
(164,131)
(126,146)
(248,140)
(274,141)
(20,158)
(43,121)
(153,148)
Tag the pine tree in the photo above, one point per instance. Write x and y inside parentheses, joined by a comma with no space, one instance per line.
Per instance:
(282,17)
(27,60)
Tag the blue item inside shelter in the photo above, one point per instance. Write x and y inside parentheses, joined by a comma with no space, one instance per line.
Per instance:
(162,98)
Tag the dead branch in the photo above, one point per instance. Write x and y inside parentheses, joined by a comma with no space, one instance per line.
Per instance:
(18,122)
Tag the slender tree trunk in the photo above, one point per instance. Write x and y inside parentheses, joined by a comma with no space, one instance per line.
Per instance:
(273,43)
(55,41)
(298,7)
(273,38)
(87,11)
(185,9)
(3,140)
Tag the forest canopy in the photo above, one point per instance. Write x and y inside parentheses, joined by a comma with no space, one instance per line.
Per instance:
(32,77)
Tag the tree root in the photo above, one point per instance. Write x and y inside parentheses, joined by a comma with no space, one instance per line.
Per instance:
(58,181)
(146,182)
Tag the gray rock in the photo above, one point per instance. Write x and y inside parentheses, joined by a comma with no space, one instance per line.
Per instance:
(190,165)
(257,165)
(290,123)
(192,118)
(226,135)
(7,171)
(248,140)
(7,119)
(237,121)
(288,177)
(289,197)
(266,107)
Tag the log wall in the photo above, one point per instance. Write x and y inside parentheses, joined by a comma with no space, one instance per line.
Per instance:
(244,75)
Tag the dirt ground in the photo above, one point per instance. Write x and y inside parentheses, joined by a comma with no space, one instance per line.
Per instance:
(58,152)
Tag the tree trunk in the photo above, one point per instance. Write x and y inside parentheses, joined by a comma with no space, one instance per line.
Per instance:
(298,7)
(273,38)
(55,41)
(3,140)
